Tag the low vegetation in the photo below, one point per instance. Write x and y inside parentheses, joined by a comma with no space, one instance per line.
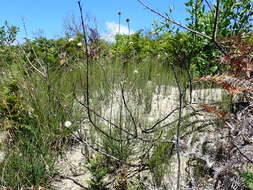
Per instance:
(51,89)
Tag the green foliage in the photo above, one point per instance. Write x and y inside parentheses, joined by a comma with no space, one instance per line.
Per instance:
(7,34)
(55,54)
(11,106)
(136,46)
(14,112)
(158,162)
(29,159)
(33,109)
(248,179)
(195,53)
(39,77)
(98,169)
(234,17)
(121,150)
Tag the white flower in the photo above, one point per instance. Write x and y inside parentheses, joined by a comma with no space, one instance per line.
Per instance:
(67,124)
(80,44)
(136,71)
(71,40)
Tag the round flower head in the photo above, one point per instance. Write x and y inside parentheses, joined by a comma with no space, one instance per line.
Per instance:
(71,40)
(80,44)
(67,124)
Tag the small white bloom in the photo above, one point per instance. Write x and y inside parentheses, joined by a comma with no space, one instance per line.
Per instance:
(67,124)
(136,71)
(71,40)
(80,44)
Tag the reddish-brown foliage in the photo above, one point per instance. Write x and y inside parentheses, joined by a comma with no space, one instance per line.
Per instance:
(232,84)
(239,57)
(213,109)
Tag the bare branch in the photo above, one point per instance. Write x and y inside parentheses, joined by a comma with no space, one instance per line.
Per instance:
(104,153)
(215,27)
(245,156)
(180,90)
(151,129)
(128,110)
(74,181)
(87,77)
(173,21)
(116,126)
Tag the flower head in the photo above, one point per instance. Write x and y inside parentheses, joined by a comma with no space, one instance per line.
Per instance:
(80,44)
(67,124)
(71,40)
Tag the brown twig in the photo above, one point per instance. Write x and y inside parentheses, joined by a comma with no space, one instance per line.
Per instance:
(215,27)
(128,110)
(76,182)
(173,21)
(151,129)
(238,149)
(87,81)
(104,153)
(178,132)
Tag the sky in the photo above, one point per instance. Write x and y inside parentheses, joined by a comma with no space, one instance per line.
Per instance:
(46,17)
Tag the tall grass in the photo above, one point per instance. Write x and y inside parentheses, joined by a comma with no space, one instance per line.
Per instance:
(37,133)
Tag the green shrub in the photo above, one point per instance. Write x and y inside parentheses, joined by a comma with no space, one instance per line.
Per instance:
(248,179)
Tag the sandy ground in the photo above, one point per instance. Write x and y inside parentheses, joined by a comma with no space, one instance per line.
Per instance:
(72,165)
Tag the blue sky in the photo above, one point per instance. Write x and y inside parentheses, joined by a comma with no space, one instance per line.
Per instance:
(48,15)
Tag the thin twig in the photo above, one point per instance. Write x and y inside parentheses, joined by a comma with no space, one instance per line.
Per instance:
(104,153)
(178,128)
(76,182)
(128,110)
(173,21)
(175,121)
(116,126)
(88,93)
(87,78)
(215,27)
(151,129)
(238,149)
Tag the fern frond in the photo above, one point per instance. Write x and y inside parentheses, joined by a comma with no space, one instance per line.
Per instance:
(232,84)
(213,109)
(239,57)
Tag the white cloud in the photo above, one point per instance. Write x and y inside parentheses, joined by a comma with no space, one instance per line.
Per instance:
(112,29)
